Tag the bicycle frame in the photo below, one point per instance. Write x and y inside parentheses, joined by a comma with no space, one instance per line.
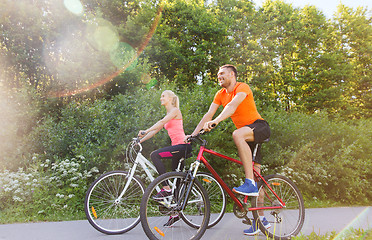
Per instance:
(201,158)
(146,166)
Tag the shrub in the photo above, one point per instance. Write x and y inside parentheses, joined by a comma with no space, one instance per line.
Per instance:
(46,189)
(330,159)
(314,150)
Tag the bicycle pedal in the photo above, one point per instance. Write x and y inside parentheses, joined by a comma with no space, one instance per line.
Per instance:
(248,222)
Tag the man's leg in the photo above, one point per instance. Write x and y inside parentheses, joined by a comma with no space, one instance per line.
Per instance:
(261,194)
(241,136)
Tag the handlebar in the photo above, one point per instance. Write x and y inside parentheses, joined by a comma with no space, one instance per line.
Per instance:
(136,141)
(197,136)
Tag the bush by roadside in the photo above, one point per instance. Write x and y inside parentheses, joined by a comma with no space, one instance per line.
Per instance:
(329,159)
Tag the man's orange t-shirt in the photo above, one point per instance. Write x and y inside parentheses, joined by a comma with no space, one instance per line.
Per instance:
(246,113)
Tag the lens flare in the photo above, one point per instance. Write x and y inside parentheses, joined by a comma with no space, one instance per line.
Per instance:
(103,37)
(74,6)
(145,78)
(124,55)
(356,223)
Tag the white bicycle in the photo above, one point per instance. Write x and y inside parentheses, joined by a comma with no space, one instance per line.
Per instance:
(112,202)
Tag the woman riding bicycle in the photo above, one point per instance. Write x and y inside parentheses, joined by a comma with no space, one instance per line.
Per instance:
(173,123)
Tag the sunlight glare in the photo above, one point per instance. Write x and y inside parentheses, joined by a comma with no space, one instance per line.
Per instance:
(74,6)
(103,35)
(124,55)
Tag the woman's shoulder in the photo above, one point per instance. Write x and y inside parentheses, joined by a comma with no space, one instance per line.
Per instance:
(179,114)
(176,113)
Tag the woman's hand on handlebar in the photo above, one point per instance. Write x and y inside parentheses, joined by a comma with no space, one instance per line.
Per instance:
(141,133)
(187,138)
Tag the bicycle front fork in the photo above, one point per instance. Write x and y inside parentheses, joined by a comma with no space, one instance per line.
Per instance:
(189,182)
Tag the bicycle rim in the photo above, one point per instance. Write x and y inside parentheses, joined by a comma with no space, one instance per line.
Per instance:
(108,214)
(285,222)
(156,213)
(216,196)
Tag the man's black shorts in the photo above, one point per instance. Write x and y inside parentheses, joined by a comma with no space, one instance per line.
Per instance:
(261,132)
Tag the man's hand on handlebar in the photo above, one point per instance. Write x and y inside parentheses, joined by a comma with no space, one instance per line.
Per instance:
(209,125)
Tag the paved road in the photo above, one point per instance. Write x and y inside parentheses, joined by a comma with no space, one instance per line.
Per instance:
(320,220)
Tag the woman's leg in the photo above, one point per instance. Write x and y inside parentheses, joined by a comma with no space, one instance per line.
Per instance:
(175,153)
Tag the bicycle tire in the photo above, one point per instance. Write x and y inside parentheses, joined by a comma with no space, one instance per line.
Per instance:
(217,199)
(155,213)
(108,216)
(286,222)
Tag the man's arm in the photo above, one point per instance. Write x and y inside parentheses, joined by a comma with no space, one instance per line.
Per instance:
(207,117)
(229,110)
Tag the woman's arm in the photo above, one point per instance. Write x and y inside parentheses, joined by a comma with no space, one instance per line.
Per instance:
(150,132)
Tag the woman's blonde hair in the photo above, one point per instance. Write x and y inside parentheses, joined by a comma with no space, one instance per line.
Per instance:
(175,100)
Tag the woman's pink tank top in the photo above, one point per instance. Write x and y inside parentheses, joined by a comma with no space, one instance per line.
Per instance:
(175,131)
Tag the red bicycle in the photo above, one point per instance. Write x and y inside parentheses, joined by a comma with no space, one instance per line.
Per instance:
(279,200)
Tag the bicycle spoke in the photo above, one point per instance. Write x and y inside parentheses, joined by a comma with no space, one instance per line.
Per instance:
(156,214)
(284,222)
(105,211)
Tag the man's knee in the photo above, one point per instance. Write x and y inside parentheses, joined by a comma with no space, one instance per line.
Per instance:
(243,134)
(236,136)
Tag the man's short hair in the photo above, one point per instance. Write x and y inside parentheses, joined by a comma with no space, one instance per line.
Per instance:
(232,68)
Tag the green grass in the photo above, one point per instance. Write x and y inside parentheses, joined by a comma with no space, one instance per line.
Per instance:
(351,234)
(19,215)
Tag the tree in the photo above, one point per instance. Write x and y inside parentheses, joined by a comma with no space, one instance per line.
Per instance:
(60,52)
(275,37)
(319,68)
(187,45)
(354,34)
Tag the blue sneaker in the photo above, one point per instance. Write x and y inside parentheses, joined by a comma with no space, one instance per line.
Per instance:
(266,223)
(253,230)
(247,189)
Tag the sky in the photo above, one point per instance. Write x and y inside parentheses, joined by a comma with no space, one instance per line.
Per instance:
(328,7)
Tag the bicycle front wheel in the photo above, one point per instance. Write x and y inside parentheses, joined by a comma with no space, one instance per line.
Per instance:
(216,197)
(162,218)
(283,223)
(108,213)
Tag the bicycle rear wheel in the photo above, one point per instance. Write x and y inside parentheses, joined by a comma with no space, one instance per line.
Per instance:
(155,214)
(284,222)
(216,196)
(105,211)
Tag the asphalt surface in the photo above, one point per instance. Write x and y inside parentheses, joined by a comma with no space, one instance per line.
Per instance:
(318,220)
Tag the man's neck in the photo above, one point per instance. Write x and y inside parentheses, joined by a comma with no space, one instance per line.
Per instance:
(231,87)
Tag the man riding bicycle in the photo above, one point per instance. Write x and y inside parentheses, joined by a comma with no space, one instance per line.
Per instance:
(238,102)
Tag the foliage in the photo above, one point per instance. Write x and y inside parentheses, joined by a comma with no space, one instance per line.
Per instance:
(310,75)
(295,58)
(311,149)
(19,113)
(332,155)
(61,53)
(46,188)
(189,43)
